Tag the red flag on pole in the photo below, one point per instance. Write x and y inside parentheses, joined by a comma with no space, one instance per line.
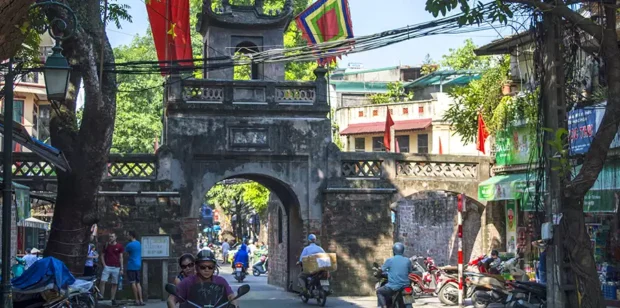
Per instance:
(170,27)
(482,134)
(440,147)
(179,29)
(387,135)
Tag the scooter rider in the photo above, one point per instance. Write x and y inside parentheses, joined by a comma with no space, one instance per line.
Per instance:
(206,265)
(309,250)
(397,269)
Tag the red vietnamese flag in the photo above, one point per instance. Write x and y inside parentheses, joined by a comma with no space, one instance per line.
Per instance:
(179,31)
(170,27)
(387,135)
(440,147)
(482,134)
(159,16)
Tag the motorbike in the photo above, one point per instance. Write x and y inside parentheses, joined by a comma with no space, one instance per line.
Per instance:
(172,289)
(527,294)
(260,267)
(426,276)
(83,293)
(401,299)
(491,288)
(239,272)
(448,285)
(318,288)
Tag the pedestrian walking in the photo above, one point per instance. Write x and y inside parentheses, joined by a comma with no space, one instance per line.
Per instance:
(134,263)
(225,250)
(112,259)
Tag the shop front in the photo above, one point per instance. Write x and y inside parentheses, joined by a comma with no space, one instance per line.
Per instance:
(32,233)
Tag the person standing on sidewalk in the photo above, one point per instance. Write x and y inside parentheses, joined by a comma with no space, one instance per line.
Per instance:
(134,263)
(112,259)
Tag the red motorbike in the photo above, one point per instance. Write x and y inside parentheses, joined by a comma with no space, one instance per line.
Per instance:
(425,277)
(449,287)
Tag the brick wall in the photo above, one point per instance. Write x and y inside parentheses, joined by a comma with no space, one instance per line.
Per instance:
(495,228)
(277,242)
(357,227)
(427,226)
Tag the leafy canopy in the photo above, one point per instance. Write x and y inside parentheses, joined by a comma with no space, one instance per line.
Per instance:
(250,193)
(396,92)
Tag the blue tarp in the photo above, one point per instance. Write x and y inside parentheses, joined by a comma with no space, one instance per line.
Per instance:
(42,273)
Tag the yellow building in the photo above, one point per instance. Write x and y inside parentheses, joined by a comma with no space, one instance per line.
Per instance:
(30,106)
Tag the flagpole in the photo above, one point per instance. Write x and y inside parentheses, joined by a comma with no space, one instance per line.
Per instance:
(167,18)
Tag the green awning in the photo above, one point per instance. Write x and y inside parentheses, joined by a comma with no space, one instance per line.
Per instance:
(503,187)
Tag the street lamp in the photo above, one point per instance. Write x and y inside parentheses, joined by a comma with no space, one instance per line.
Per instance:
(56,73)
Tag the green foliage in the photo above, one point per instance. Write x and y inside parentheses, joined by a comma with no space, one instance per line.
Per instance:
(474,13)
(428,65)
(116,12)
(395,93)
(251,193)
(464,58)
(139,101)
(559,144)
(482,95)
(242,72)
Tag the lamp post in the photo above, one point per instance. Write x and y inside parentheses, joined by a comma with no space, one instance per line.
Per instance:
(56,73)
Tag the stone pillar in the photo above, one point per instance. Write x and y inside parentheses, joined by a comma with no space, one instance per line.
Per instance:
(321,85)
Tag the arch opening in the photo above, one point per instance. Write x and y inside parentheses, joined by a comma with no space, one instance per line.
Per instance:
(266,210)
(426,223)
(251,71)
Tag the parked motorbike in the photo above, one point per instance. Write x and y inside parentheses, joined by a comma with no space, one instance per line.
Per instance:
(210,301)
(425,277)
(527,294)
(318,288)
(239,272)
(448,284)
(401,299)
(260,267)
(493,288)
(83,293)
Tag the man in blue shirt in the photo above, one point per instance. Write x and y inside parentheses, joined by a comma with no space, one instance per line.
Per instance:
(309,250)
(397,269)
(134,263)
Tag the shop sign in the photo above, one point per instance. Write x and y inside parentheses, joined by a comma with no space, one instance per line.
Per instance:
(583,124)
(513,146)
(511,226)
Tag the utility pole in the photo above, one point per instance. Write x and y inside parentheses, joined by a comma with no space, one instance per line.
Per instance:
(7,191)
(554,112)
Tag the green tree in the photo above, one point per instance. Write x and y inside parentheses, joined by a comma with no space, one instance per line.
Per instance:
(464,58)
(139,101)
(250,192)
(428,65)
(396,92)
(601,31)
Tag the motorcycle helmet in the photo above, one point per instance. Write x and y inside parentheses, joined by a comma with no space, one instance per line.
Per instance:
(206,255)
(398,249)
(312,238)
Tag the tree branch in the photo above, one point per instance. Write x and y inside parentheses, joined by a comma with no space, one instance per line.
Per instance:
(565,12)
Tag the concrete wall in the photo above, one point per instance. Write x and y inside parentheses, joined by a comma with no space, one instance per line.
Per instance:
(413,140)
(427,226)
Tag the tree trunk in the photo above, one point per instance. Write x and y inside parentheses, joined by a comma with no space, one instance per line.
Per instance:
(14,14)
(86,148)
(576,239)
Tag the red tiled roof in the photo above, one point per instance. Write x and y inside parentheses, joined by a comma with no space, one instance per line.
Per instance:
(379,127)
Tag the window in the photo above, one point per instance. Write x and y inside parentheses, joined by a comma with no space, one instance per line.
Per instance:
(391,111)
(280,223)
(375,113)
(423,143)
(377,144)
(360,144)
(35,115)
(421,109)
(405,111)
(360,114)
(44,123)
(403,143)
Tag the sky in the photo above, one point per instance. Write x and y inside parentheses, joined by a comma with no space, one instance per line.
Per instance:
(368,17)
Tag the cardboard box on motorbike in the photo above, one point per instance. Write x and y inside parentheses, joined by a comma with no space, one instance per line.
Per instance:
(319,262)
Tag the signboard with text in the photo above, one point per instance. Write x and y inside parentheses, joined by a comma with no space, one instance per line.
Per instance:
(155,247)
(583,124)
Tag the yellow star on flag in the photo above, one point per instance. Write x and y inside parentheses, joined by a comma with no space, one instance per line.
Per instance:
(171,31)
